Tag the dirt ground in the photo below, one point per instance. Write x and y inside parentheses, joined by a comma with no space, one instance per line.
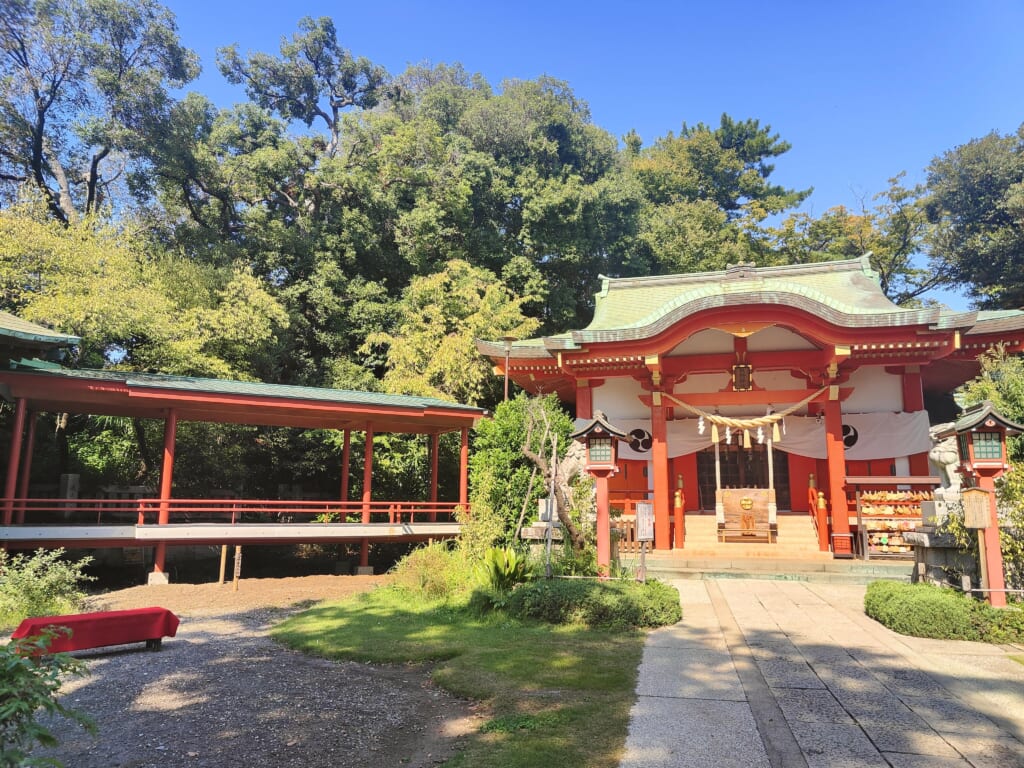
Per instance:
(221,693)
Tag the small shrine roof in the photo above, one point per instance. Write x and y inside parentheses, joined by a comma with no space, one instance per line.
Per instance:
(22,335)
(977,415)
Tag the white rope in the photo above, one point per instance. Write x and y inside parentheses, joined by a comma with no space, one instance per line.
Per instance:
(759,421)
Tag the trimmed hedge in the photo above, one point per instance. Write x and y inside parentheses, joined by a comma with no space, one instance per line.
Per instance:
(595,603)
(924,610)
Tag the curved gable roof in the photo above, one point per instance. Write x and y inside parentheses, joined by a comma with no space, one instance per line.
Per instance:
(845,293)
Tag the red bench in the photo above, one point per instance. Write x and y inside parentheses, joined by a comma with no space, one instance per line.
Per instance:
(97,630)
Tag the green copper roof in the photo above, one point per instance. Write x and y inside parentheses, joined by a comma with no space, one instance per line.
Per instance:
(844,292)
(15,331)
(260,389)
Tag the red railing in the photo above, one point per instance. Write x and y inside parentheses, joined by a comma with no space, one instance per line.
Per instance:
(234,511)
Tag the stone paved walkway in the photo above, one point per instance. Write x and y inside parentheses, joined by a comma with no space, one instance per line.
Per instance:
(781,673)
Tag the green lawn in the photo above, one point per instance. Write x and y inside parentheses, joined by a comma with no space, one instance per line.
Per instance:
(1018,659)
(557,696)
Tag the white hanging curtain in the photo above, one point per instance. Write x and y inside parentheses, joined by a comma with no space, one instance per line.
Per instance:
(867,436)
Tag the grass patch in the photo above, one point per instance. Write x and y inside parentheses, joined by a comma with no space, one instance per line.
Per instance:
(557,695)
(1018,659)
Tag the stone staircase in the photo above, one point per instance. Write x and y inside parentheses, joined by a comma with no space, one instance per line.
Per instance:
(795,557)
(797,539)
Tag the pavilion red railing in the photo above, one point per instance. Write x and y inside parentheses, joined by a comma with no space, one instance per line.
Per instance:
(234,511)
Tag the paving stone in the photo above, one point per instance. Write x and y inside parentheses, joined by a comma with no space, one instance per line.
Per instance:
(948,715)
(685,733)
(689,673)
(776,652)
(836,745)
(920,740)
(683,636)
(788,674)
(988,751)
(884,708)
(910,683)
(898,760)
(813,706)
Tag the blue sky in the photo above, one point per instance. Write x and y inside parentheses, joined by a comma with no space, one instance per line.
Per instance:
(861,90)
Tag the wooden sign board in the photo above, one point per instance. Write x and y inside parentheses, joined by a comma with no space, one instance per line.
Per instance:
(644,521)
(976,508)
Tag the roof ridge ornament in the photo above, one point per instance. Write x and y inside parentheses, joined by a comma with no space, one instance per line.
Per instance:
(741,270)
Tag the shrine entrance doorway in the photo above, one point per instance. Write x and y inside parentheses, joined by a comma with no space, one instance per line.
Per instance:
(742,468)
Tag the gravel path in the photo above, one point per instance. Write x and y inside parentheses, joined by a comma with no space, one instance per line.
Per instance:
(222,693)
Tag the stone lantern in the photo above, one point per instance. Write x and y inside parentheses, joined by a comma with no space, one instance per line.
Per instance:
(601,440)
(981,434)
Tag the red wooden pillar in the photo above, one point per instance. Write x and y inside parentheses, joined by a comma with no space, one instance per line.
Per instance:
(604,534)
(836,456)
(17,433)
(659,463)
(435,450)
(584,399)
(26,467)
(166,476)
(364,546)
(993,551)
(464,468)
(679,512)
(346,450)
(913,400)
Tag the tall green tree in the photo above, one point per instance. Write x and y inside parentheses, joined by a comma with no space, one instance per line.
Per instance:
(313,79)
(431,350)
(83,85)
(976,200)
(894,234)
(132,308)
(706,192)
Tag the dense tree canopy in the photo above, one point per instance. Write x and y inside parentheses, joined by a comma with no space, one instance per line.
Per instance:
(83,87)
(349,227)
(977,204)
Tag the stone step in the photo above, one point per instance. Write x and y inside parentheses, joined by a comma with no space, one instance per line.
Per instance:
(799,568)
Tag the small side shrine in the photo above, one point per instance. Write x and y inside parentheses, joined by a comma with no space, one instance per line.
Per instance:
(981,434)
(763,391)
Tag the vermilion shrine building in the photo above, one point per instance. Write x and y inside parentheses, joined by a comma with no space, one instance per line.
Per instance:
(761,396)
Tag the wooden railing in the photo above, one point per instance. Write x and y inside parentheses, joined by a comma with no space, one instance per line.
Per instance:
(234,511)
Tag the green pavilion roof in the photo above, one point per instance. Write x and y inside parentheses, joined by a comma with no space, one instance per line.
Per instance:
(150,395)
(158,381)
(16,333)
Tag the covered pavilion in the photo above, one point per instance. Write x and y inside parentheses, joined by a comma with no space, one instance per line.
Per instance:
(33,386)
(756,396)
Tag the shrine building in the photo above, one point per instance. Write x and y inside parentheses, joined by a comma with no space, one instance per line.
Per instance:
(764,404)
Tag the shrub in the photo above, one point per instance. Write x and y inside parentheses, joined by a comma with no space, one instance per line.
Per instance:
(609,604)
(29,686)
(40,584)
(923,610)
(503,568)
(435,571)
